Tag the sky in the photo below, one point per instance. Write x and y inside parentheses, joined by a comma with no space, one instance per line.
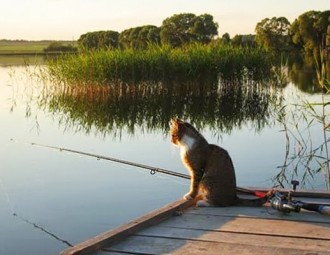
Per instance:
(68,19)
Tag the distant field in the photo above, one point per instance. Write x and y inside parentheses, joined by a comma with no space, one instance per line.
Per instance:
(8,47)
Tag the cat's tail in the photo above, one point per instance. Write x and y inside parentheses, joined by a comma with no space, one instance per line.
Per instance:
(255,202)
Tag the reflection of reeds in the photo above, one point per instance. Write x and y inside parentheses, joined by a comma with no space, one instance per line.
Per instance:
(299,152)
(280,73)
(112,109)
(158,63)
(305,155)
(324,83)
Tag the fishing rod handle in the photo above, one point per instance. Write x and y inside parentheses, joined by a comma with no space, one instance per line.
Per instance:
(325,210)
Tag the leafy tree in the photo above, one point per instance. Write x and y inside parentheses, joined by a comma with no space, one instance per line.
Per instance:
(204,28)
(237,40)
(139,37)
(60,47)
(309,30)
(225,39)
(134,37)
(99,40)
(244,40)
(175,30)
(184,28)
(149,35)
(124,38)
(273,34)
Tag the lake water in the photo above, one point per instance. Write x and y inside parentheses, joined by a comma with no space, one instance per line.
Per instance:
(76,197)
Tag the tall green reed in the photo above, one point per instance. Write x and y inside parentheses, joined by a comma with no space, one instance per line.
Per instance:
(159,62)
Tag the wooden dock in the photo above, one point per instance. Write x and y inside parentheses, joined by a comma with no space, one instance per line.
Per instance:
(180,228)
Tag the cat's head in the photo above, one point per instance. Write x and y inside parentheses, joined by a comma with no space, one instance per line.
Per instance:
(179,128)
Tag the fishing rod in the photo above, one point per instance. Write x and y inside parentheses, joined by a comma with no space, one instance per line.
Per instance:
(152,169)
(279,201)
(286,204)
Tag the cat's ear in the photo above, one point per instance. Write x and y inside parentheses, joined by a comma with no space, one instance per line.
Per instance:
(173,122)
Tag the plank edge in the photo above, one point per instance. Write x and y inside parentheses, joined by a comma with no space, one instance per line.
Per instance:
(113,236)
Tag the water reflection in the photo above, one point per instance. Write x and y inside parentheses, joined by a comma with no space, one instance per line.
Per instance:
(219,104)
(214,103)
(302,73)
(23,60)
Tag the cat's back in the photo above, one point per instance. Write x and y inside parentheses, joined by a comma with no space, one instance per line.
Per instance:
(219,177)
(217,151)
(218,161)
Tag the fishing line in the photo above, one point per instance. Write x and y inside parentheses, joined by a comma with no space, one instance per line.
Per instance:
(35,225)
(5,192)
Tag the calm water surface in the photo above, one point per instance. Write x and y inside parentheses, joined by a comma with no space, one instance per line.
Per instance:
(76,197)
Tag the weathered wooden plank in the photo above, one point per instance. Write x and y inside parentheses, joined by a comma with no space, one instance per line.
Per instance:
(155,245)
(252,222)
(98,242)
(237,238)
(264,212)
(251,225)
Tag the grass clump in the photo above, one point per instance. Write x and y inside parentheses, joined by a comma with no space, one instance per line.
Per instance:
(159,63)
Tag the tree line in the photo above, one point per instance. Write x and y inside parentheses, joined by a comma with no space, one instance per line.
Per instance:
(176,31)
(308,32)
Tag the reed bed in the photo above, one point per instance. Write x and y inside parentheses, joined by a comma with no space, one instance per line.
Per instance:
(158,63)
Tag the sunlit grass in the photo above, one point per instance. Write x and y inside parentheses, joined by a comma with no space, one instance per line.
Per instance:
(159,63)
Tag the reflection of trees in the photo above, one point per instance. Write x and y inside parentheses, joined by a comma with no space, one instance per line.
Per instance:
(303,76)
(221,105)
(302,73)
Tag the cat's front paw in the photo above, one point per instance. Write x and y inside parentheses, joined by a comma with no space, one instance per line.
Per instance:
(188,196)
(203,203)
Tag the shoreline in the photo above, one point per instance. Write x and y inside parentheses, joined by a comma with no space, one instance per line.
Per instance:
(34,53)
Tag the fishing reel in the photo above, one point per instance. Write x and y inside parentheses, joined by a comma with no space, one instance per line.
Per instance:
(281,203)
(284,203)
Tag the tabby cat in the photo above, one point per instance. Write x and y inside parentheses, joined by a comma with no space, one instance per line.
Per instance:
(211,168)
